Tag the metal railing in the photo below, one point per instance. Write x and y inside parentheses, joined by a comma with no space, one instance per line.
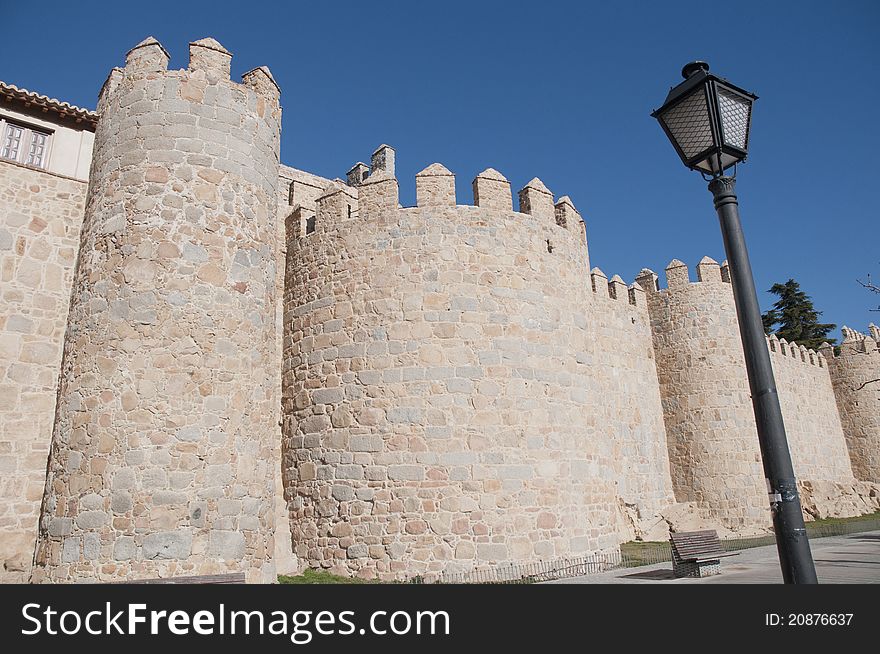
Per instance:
(529,573)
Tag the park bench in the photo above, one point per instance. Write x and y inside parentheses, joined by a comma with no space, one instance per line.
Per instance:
(697,553)
(230,578)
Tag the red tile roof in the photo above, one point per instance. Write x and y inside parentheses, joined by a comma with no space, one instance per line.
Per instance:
(64,109)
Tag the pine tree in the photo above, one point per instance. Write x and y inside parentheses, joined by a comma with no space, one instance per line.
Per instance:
(798,320)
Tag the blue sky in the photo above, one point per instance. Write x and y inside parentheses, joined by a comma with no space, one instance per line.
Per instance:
(558,90)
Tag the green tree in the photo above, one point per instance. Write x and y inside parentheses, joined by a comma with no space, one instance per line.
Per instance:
(796,317)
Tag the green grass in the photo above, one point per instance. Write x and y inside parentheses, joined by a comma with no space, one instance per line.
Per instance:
(736,544)
(636,553)
(310,576)
(820,525)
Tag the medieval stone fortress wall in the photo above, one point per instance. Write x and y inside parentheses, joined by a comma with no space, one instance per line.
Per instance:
(213,362)
(446,399)
(853,369)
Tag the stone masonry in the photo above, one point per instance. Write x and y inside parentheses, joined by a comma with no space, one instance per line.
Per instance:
(265,370)
(439,407)
(161,459)
(40,218)
(856,377)
(817,442)
(713,448)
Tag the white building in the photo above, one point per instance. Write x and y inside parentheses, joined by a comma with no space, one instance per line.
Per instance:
(41,132)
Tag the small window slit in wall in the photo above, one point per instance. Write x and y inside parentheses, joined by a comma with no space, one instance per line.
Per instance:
(311,224)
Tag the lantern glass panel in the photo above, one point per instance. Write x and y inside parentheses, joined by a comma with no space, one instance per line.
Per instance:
(735,112)
(688,122)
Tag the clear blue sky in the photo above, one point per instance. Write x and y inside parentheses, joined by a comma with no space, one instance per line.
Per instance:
(558,90)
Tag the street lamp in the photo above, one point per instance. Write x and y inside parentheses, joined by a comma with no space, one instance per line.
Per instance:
(707,119)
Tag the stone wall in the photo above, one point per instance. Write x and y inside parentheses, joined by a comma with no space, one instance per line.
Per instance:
(812,423)
(713,445)
(297,192)
(161,458)
(40,218)
(823,462)
(458,390)
(858,398)
(620,355)
(714,454)
(450,399)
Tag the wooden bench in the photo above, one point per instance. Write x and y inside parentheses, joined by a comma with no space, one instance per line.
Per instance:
(697,553)
(230,578)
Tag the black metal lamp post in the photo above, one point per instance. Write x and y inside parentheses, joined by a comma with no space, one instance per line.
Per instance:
(707,119)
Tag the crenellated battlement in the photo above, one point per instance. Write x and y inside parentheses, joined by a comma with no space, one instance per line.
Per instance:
(709,274)
(854,342)
(435,187)
(374,189)
(536,200)
(208,61)
(708,271)
(337,202)
(147,56)
(196,116)
(794,351)
(371,193)
(209,66)
(208,56)
(616,289)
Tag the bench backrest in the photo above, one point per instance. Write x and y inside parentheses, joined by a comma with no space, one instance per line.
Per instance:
(230,578)
(690,544)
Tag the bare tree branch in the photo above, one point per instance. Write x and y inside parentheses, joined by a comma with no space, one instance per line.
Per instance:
(870,381)
(871,286)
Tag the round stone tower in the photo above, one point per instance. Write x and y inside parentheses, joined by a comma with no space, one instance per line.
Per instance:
(854,374)
(714,455)
(440,410)
(160,463)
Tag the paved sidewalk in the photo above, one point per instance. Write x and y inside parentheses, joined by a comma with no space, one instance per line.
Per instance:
(839,560)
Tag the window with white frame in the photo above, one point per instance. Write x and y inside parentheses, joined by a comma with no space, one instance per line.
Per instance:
(23,143)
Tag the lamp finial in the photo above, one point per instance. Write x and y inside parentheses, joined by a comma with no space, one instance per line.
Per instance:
(694,67)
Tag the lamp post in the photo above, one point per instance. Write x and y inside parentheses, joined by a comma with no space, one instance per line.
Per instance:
(707,119)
